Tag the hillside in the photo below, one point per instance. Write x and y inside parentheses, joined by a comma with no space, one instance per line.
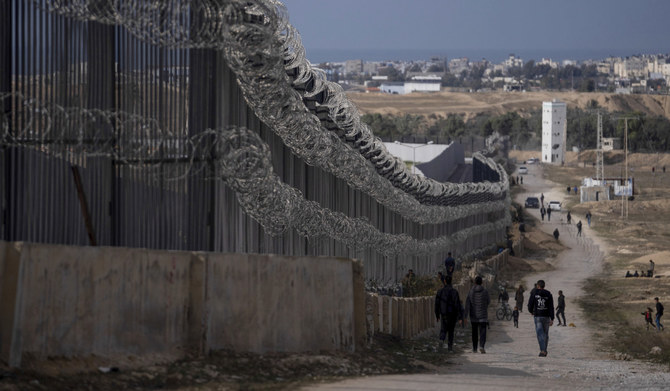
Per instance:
(470,104)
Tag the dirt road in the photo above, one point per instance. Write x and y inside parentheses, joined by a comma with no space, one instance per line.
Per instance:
(511,361)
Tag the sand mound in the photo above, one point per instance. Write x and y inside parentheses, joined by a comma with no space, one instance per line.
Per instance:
(538,241)
(661,259)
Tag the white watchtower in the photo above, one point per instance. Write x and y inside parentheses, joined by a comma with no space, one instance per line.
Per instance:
(554,132)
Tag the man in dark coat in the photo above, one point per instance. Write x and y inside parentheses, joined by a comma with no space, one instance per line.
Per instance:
(476,306)
(659,313)
(449,310)
(560,308)
(449,264)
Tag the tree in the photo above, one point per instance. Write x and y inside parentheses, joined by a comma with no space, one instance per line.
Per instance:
(587,85)
(392,73)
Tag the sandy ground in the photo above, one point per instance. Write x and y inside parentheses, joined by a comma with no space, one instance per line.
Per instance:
(511,361)
(498,102)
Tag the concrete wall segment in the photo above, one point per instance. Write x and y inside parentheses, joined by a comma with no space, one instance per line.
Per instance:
(275,289)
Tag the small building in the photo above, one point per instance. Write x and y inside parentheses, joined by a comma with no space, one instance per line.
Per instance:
(393,87)
(611,143)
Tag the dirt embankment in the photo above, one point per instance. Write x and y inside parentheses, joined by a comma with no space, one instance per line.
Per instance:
(471,104)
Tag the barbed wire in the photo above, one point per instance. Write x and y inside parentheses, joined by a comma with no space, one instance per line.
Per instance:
(313,116)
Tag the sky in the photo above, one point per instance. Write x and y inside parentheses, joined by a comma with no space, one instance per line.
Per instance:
(634,26)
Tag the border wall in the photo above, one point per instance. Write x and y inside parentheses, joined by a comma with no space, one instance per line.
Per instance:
(74,64)
(66,301)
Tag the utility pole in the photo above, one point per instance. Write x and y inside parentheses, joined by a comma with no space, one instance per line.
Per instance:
(624,194)
(600,166)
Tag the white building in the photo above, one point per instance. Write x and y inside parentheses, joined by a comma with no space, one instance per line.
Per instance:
(554,131)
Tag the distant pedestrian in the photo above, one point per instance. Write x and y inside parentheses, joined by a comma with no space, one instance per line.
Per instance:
(588,218)
(568,189)
(503,296)
(542,199)
(522,180)
(575,189)
(556,234)
(560,309)
(648,320)
(653,169)
(541,306)
(664,169)
(542,212)
(659,313)
(517,179)
(549,213)
(650,271)
(518,297)
(476,306)
(569,217)
(449,264)
(448,311)
(515,315)
(579,228)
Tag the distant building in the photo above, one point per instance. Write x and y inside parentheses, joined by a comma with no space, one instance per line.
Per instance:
(393,87)
(458,65)
(611,143)
(353,67)
(554,131)
(548,61)
(417,84)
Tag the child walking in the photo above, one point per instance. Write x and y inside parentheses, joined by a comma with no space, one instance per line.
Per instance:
(515,315)
(648,319)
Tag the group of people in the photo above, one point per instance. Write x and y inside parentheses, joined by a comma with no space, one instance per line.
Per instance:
(649,273)
(449,311)
(659,313)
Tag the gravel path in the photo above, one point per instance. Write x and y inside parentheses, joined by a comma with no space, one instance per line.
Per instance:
(511,361)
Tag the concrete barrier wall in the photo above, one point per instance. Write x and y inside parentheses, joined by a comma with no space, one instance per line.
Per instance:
(114,302)
(289,304)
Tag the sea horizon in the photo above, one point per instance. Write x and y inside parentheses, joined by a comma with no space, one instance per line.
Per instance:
(317,56)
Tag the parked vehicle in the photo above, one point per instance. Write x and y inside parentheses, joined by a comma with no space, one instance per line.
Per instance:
(532,202)
(523,170)
(533,160)
(554,205)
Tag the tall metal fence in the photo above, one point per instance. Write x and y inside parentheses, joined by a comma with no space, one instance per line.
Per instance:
(51,192)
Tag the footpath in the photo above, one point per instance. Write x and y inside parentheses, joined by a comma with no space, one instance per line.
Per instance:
(511,361)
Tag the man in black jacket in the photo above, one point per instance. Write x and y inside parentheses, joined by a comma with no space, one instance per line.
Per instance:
(541,305)
(659,313)
(560,308)
(448,308)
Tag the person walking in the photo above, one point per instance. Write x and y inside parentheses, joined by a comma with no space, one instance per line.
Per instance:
(549,213)
(556,234)
(659,313)
(518,297)
(448,311)
(541,306)
(650,271)
(515,316)
(542,212)
(569,217)
(588,218)
(542,199)
(449,264)
(648,320)
(579,228)
(476,306)
(560,309)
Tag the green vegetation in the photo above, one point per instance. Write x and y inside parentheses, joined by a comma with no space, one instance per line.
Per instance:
(645,133)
